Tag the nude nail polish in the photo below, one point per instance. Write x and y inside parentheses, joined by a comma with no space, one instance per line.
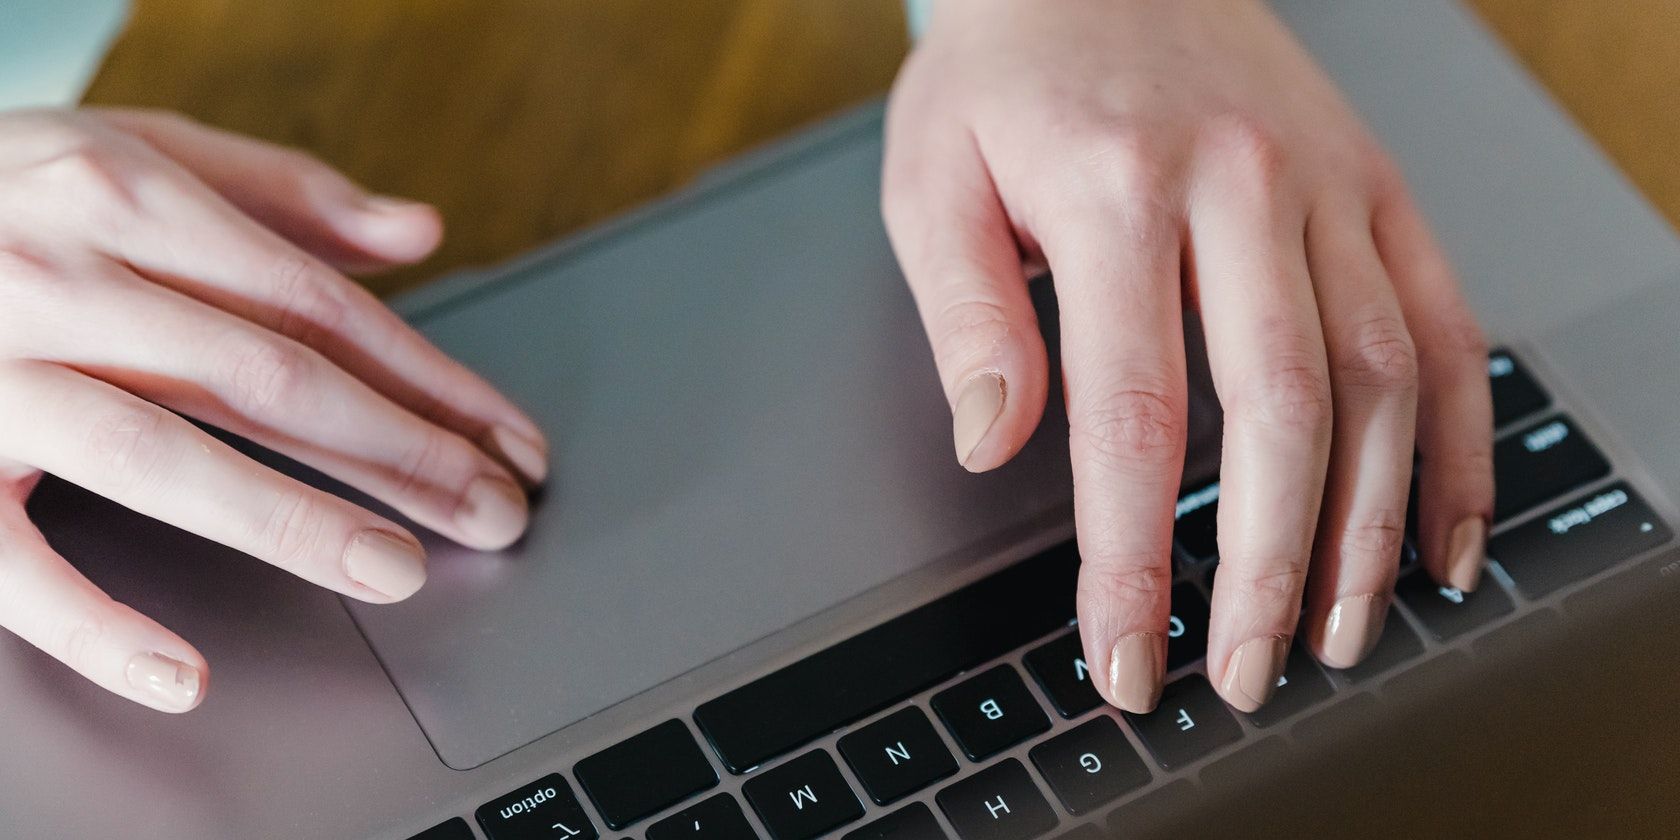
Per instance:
(172,684)
(1252,674)
(1350,631)
(1135,670)
(1467,553)
(526,456)
(493,512)
(385,563)
(978,406)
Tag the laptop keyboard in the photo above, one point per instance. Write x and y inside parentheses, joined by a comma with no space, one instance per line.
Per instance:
(973,717)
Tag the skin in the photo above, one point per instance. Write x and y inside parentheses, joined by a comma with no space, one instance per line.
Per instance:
(1164,156)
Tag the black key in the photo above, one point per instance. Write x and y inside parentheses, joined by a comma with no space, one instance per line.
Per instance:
(1090,765)
(1187,627)
(912,822)
(998,803)
(803,798)
(1061,671)
(455,829)
(1398,643)
(897,755)
(1515,393)
(645,774)
(716,818)
(1195,520)
(1447,612)
(1301,686)
(1543,460)
(1584,535)
(542,810)
(883,665)
(1190,722)
(990,713)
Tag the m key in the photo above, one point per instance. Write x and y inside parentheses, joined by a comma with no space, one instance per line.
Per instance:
(803,798)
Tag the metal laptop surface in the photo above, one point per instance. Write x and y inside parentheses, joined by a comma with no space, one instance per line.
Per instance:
(752,463)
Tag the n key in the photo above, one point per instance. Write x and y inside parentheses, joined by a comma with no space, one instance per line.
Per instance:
(897,755)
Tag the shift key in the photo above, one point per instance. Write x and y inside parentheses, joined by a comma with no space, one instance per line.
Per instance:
(1585,535)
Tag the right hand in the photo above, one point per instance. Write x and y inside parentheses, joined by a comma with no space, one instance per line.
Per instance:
(151,267)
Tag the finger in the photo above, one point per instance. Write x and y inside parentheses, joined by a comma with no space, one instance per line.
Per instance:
(958,253)
(1373,374)
(1455,406)
(47,603)
(297,196)
(149,460)
(1266,354)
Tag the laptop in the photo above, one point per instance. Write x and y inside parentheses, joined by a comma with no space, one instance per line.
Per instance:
(759,599)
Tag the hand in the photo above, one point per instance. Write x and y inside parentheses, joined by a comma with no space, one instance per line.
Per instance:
(1163,155)
(150,268)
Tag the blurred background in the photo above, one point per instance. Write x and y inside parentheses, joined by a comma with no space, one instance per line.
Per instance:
(523,120)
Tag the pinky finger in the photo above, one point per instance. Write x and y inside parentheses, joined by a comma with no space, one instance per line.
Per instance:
(47,603)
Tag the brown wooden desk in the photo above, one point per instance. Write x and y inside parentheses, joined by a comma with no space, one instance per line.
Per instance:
(525,119)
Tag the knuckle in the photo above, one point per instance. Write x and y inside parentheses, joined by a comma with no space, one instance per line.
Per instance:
(97,175)
(1252,150)
(1291,394)
(1134,428)
(428,463)
(126,444)
(78,640)
(1376,540)
(269,374)
(1281,584)
(1381,356)
(307,307)
(290,536)
(1126,580)
(967,325)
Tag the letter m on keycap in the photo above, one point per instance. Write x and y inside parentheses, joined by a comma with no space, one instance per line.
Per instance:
(801,796)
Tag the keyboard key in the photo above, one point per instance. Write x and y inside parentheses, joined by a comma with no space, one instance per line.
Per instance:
(1399,642)
(1187,628)
(1195,524)
(897,755)
(998,803)
(1301,686)
(881,666)
(716,818)
(1090,765)
(455,829)
(803,798)
(645,774)
(1584,535)
(990,713)
(1190,722)
(1542,461)
(912,822)
(1448,613)
(542,810)
(1515,393)
(1061,671)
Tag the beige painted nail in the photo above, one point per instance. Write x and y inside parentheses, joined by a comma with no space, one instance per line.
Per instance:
(172,683)
(493,512)
(385,563)
(526,456)
(978,407)
(1467,553)
(1353,627)
(1252,674)
(1135,671)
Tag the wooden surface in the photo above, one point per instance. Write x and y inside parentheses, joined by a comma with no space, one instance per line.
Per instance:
(525,119)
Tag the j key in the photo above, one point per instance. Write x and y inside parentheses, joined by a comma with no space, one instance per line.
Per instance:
(1301,686)
(1190,722)
(1445,611)
(542,810)
(897,755)
(1515,393)
(1061,671)
(645,774)
(990,713)
(1194,525)
(1543,460)
(803,798)
(1090,765)
(717,818)
(455,829)
(1584,535)
(912,822)
(1398,643)
(998,803)
(1187,627)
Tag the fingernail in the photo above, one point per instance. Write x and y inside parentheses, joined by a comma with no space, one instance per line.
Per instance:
(525,455)
(1134,671)
(1252,674)
(1352,629)
(385,563)
(977,408)
(172,683)
(1466,553)
(493,512)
